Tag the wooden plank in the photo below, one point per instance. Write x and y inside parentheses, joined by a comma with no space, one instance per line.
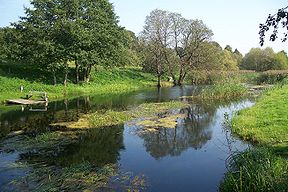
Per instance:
(24,102)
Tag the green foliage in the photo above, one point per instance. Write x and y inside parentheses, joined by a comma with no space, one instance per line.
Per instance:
(229,61)
(256,169)
(264,59)
(58,31)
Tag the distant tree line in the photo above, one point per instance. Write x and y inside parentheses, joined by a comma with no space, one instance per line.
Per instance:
(264,59)
(72,37)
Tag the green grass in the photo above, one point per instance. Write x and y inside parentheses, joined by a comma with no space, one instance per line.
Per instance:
(267,121)
(117,80)
(256,170)
(265,167)
(222,92)
(219,77)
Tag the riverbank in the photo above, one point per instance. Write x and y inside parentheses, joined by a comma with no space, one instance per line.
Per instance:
(265,167)
(116,80)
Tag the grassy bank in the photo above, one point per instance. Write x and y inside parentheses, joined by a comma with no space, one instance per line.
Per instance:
(267,121)
(116,80)
(265,167)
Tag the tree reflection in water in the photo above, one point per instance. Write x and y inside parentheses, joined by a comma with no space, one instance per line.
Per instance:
(192,132)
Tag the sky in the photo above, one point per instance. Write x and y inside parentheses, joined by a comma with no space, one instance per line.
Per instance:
(233,22)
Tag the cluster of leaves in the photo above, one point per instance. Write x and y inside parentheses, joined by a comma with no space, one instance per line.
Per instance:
(273,21)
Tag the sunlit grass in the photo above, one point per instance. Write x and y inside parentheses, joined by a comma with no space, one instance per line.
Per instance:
(267,121)
(256,170)
(264,168)
(107,81)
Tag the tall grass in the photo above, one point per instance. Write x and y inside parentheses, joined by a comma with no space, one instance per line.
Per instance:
(258,169)
(265,168)
(203,77)
(222,92)
(272,76)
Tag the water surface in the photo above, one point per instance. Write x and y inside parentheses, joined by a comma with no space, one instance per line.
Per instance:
(190,157)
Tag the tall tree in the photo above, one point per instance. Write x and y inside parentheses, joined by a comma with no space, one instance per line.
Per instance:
(155,36)
(181,41)
(238,56)
(228,48)
(83,31)
(259,59)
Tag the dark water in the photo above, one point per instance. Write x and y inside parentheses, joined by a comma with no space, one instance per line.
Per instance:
(188,158)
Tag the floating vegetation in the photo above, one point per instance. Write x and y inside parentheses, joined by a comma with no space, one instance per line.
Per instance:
(110,118)
(153,124)
(72,178)
(79,177)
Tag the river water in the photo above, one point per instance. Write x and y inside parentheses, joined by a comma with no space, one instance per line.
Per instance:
(190,157)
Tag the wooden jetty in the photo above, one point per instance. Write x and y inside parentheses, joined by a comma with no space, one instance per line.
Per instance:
(24,102)
(43,99)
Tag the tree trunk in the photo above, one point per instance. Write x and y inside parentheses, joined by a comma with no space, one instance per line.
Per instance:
(88,71)
(65,79)
(77,72)
(66,74)
(84,74)
(159,80)
(179,82)
(54,78)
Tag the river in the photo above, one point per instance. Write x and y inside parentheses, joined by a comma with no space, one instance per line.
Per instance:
(190,157)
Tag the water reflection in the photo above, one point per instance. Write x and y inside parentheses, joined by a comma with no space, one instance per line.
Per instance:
(33,120)
(192,132)
(189,157)
(98,147)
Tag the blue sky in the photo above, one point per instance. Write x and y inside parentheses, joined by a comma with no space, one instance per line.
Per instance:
(233,22)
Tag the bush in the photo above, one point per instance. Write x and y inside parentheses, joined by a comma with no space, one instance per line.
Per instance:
(272,76)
